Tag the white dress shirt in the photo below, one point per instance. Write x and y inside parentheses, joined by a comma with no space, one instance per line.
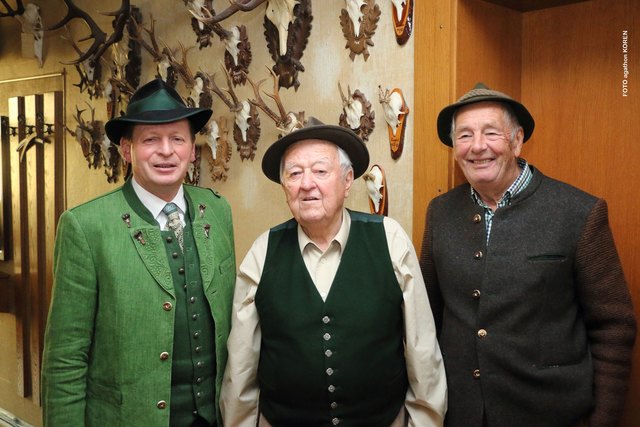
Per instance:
(426,399)
(155,204)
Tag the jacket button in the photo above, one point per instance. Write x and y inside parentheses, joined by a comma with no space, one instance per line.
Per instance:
(161,404)
(164,355)
(478,255)
(181,270)
(326,319)
(475,293)
(335,421)
(169,239)
(334,405)
(328,353)
(476,373)
(329,371)
(174,255)
(326,336)
(331,388)
(482,333)
(167,306)
(477,218)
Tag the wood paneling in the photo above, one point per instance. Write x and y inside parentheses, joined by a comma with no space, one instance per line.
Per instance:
(36,162)
(529,5)
(434,45)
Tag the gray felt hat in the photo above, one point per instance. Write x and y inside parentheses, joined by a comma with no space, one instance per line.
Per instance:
(481,93)
(315,129)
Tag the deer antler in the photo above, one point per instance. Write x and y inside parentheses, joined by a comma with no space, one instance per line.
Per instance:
(100,41)
(153,49)
(19,10)
(236,5)
(232,100)
(259,102)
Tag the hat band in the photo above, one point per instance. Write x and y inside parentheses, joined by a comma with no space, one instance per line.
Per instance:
(161,100)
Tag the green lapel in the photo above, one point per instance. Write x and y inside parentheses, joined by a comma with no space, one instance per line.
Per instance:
(147,239)
(202,234)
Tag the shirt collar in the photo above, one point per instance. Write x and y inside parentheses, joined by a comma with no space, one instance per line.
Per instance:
(154,203)
(520,183)
(340,238)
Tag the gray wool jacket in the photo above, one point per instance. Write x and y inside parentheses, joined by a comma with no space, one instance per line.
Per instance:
(536,328)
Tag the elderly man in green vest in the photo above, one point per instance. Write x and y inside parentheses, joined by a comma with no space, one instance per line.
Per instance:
(331,322)
(143,284)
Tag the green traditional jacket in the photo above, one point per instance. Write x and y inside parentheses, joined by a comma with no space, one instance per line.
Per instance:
(112,313)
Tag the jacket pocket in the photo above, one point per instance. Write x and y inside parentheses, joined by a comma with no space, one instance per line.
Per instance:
(104,393)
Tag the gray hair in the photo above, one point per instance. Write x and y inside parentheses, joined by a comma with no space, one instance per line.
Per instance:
(510,118)
(343,158)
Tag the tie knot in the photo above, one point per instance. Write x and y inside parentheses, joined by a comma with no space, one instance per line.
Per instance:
(170,208)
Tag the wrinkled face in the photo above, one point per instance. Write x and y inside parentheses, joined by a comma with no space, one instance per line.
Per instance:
(160,155)
(314,183)
(483,148)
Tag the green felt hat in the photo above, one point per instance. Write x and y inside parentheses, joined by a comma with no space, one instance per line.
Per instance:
(481,93)
(155,103)
(315,129)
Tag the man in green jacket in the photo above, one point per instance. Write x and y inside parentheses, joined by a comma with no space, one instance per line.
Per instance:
(143,282)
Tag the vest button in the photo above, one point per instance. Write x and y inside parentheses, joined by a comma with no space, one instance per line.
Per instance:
(335,421)
(477,218)
(478,255)
(169,239)
(328,353)
(167,306)
(174,255)
(196,335)
(326,320)
(192,300)
(482,333)
(331,388)
(161,404)
(200,364)
(198,349)
(164,355)
(476,373)
(199,394)
(329,371)
(334,405)
(181,270)
(475,293)
(199,380)
(326,336)
(195,317)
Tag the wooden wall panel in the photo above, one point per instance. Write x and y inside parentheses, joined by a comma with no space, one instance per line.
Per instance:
(586,130)
(434,44)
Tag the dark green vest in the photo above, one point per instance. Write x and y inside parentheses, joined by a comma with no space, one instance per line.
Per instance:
(338,360)
(193,369)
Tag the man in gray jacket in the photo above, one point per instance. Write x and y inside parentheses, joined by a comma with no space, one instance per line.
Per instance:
(533,314)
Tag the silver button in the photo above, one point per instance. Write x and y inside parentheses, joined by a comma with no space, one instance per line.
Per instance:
(329,371)
(327,336)
(326,319)
(328,353)
(335,421)
(331,388)
(334,405)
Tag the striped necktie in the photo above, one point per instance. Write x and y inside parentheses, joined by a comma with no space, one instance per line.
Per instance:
(174,224)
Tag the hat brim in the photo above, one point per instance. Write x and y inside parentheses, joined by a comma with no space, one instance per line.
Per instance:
(446,116)
(197,116)
(342,137)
